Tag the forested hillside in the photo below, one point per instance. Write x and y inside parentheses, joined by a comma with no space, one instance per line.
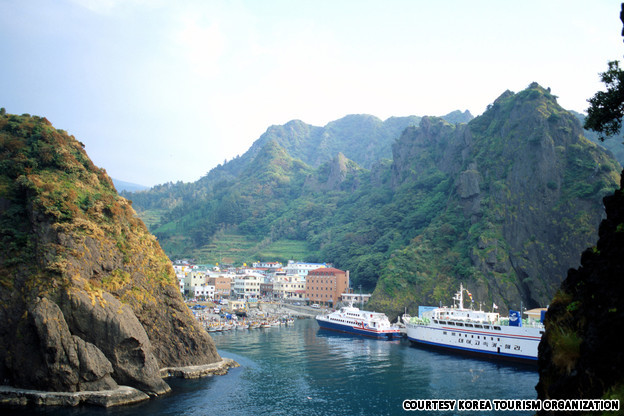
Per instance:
(505,202)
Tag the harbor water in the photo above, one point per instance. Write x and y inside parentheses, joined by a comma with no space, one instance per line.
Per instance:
(305,370)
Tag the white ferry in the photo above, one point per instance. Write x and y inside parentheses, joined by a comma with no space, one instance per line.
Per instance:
(477,332)
(352,320)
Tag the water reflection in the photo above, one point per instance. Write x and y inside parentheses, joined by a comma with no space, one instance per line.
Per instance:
(306,371)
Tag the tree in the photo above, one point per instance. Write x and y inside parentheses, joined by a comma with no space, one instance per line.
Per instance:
(606,109)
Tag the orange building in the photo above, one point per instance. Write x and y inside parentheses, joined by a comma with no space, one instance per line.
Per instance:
(223,286)
(324,286)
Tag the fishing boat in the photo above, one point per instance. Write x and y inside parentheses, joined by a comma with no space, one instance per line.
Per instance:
(476,332)
(352,320)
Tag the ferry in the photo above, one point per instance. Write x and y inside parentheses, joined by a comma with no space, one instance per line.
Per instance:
(479,333)
(352,320)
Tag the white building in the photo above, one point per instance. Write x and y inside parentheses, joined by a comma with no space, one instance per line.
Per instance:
(300,268)
(205,291)
(267,265)
(248,285)
(193,280)
(355,298)
(289,287)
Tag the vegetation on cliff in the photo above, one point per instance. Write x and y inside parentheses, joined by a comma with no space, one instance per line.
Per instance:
(74,252)
(579,356)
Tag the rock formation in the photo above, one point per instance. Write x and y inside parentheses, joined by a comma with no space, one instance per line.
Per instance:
(525,200)
(88,299)
(580,356)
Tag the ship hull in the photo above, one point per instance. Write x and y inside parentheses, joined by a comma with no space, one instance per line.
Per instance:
(508,343)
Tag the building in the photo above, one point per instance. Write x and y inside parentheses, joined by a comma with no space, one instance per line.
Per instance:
(204,291)
(266,289)
(274,265)
(192,280)
(248,285)
(301,269)
(222,286)
(325,286)
(289,287)
(355,298)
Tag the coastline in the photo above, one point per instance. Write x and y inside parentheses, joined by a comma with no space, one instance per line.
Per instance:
(123,395)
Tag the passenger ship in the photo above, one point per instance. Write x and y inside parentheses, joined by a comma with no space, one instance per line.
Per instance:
(352,320)
(476,332)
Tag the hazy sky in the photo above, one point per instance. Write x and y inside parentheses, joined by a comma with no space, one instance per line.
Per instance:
(164,91)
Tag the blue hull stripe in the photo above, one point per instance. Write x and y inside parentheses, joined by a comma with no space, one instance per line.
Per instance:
(494,354)
(351,330)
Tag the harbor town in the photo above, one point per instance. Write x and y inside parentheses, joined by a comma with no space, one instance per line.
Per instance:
(264,295)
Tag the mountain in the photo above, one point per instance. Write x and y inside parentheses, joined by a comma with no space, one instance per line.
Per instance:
(88,299)
(525,199)
(504,203)
(128,186)
(615,144)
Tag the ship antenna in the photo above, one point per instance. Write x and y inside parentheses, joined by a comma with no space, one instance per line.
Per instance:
(461,296)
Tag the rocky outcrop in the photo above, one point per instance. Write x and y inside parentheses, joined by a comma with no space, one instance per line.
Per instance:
(513,198)
(88,300)
(580,356)
(338,174)
(59,361)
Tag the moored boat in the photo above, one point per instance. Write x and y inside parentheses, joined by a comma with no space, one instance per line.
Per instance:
(352,320)
(479,333)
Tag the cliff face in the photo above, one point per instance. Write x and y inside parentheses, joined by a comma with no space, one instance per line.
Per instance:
(88,299)
(580,354)
(524,201)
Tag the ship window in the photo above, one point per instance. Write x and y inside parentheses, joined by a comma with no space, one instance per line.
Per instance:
(497,328)
(459,324)
(470,325)
(444,332)
(478,326)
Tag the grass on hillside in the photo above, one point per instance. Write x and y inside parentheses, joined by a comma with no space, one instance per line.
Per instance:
(232,248)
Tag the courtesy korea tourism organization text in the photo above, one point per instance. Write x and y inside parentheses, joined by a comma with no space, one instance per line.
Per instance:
(511,405)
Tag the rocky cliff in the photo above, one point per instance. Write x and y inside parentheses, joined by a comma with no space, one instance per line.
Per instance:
(88,299)
(525,199)
(580,356)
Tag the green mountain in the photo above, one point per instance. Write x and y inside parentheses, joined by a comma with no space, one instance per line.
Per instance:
(128,186)
(504,203)
(615,144)
(525,199)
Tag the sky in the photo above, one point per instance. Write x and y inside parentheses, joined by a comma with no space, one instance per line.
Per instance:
(163,91)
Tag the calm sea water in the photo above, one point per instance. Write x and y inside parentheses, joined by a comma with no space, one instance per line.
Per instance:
(304,370)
